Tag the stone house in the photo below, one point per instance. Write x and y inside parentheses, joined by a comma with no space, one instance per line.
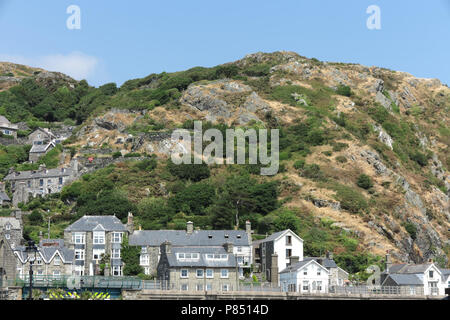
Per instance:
(7,128)
(425,278)
(52,261)
(4,199)
(338,276)
(41,136)
(151,240)
(307,276)
(12,229)
(198,268)
(7,261)
(280,246)
(33,183)
(39,150)
(92,237)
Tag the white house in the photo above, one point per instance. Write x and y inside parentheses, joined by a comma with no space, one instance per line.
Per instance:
(426,277)
(305,277)
(445,278)
(283,244)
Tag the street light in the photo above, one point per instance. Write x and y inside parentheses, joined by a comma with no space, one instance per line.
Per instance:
(31,250)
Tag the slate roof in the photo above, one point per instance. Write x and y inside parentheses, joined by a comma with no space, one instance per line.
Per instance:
(4,120)
(36,174)
(4,196)
(445,272)
(15,223)
(327,263)
(40,148)
(181,237)
(299,265)
(405,268)
(202,261)
(47,252)
(89,223)
(405,279)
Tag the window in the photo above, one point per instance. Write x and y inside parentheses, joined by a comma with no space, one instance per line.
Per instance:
(79,270)
(319,285)
(239,249)
(49,181)
(144,260)
(60,180)
(147,270)
(29,184)
(115,253)
(99,237)
(184,273)
(199,287)
(305,272)
(199,273)
(79,254)
(41,182)
(288,253)
(79,238)
(117,237)
(208,287)
(318,272)
(431,274)
(56,274)
(7,236)
(117,270)
(57,260)
(144,249)
(225,287)
(223,257)
(38,260)
(209,273)
(305,285)
(97,254)
(224,273)
(184,287)
(188,256)
(8,227)
(288,240)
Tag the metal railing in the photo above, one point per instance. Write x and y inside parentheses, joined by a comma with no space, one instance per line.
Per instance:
(131,283)
(377,290)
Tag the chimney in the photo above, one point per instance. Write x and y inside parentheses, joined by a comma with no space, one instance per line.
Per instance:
(293,260)
(330,255)
(166,247)
(248,230)
(140,227)
(228,247)
(430,260)
(274,270)
(130,223)
(388,262)
(42,168)
(189,227)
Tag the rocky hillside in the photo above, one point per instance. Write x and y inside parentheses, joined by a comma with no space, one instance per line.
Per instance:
(363,149)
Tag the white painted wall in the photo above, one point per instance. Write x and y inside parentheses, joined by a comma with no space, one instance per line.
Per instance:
(280,249)
(298,277)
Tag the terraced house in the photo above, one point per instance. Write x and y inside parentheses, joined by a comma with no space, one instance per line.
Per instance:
(52,259)
(7,128)
(198,268)
(150,242)
(93,237)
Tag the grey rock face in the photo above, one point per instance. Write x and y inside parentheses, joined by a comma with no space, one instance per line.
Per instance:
(383,136)
(320,203)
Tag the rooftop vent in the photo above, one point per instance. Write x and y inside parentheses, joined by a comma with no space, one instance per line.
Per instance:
(210,236)
(238,236)
(226,236)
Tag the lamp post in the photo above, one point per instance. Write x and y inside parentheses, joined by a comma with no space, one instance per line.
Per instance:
(31,250)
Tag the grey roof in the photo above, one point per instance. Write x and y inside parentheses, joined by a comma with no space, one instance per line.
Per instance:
(327,263)
(47,252)
(405,268)
(202,261)
(181,237)
(445,272)
(36,174)
(40,148)
(295,266)
(15,223)
(405,279)
(4,120)
(88,223)
(276,235)
(4,196)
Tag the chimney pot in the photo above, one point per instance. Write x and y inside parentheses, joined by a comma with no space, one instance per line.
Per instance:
(189,227)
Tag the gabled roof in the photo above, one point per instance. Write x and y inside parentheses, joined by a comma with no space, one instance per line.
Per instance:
(445,272)
(181,237)
(405,268)
(404,279)
(14,222)
(202,261)
(89,223)
(4,196)
(48,252)
(40,148)
(302,264)
(327,263)
(3,119)
(277,235)
(36,174)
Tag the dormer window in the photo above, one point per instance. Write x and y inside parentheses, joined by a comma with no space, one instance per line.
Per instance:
(209,236)
(8,226)
(99,237)
(238,236)
(431,273)
(226,236)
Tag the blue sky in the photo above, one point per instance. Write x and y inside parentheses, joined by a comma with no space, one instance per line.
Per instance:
(121,40)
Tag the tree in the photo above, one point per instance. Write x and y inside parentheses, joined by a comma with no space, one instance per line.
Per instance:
(193,199)
(130,257)
(193,172)
(287,219)
(155,213)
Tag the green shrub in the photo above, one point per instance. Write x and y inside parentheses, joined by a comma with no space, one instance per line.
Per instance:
(344,90)
(411,229)
(132,155)
(299,164)
(350,199)
(364,181)
(341,159)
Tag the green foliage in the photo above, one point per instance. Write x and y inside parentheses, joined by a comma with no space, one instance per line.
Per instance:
(350,199)
(312,171)
(194,199)
(411,228)
(35,217)
(364,181)
(344,90)
(154,213)
(299,164)
(193,172)
(130,257)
